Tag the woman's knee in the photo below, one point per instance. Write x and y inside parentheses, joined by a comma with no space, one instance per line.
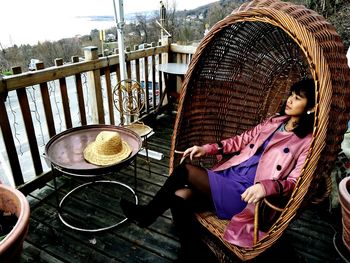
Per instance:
(184,193)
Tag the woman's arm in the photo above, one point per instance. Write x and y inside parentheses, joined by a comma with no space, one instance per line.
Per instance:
(193,152)
(235,143)
(253,193)
(230,145)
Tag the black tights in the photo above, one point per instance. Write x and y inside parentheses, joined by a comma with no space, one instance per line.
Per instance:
(197,183)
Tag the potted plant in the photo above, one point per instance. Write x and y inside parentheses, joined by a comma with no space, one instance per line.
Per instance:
(344,198)
(13,202)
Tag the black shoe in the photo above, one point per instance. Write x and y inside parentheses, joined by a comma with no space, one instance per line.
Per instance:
(140,214)
(144,215)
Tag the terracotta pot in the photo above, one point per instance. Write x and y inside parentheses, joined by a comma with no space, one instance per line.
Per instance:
(13,201)
(344,198)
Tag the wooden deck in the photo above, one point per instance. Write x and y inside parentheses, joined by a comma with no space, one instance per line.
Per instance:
(308,239)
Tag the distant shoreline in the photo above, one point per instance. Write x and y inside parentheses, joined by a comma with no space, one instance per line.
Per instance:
(128,16)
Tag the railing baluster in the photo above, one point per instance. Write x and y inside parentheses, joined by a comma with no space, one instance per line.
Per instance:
(47,104)
(128,69)
(146,85)
(121,114)
(137,68)
(80,94)
(138,79)
(117,71)
(109,95)
(184,58)
(160,78)
(64,96)
(28,123)
(9,143)
(153,81)
(130,96)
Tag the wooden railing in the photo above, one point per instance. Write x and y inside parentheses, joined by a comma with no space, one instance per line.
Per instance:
(38,104)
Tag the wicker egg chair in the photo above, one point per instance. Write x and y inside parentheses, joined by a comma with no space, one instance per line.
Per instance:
(240,73)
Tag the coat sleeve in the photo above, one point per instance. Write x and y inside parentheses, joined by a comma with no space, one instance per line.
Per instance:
(235,143)
(285,186)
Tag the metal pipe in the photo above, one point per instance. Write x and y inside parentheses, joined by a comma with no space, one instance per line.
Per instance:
(119,19)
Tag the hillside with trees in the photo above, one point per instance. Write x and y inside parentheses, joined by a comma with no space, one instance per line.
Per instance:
(186,27)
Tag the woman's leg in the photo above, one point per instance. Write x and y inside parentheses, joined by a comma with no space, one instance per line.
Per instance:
(185,176)
(196,196)
(198,181)
(192,247)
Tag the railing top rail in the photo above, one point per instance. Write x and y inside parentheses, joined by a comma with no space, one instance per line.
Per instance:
(9,83)
(175,48)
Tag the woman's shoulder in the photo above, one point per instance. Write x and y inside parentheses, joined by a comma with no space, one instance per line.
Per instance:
(276,118)
(303,143)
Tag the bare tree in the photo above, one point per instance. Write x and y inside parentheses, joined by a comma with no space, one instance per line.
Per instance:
(171,23)
(141,27)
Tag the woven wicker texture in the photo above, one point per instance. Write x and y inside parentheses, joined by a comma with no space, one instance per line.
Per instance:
(239,75)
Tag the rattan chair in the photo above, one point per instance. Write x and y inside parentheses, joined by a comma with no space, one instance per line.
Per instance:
(240,73)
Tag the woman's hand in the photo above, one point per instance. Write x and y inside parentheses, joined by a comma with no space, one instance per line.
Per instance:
(253,194)
(193,152)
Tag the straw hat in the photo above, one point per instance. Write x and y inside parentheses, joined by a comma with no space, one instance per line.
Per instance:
(140,128)
(107,149)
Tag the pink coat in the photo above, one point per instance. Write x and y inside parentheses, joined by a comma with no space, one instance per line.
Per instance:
(279,167)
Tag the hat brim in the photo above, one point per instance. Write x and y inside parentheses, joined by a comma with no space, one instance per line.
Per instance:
(91,155)
(140,129)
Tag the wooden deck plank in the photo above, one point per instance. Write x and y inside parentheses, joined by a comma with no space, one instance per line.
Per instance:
(151,240)
(119,243)
(35,254)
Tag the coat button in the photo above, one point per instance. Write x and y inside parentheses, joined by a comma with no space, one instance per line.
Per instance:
(286,150)
(251,146)
(279,167)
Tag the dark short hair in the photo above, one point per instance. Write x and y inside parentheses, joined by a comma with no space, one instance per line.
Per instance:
(306,121)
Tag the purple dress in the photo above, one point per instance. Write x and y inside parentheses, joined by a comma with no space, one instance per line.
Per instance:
(228,185)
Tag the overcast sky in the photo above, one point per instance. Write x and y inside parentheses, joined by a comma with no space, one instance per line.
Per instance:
(30,21)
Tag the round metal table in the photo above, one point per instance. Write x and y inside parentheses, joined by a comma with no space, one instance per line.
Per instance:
(173,68)
(170,72)
(64,152)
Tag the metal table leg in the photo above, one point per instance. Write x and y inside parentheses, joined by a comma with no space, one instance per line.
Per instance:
(145,140)
(84,185)
(54,173)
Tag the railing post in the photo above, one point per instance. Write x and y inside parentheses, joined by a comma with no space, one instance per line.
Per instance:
(164,58)
(165,42)
(3,90)
(94,87)
(79,87)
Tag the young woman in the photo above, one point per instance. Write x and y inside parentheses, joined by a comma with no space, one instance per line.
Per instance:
(267,161)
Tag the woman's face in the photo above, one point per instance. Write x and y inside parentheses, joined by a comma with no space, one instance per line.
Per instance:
(296,104)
